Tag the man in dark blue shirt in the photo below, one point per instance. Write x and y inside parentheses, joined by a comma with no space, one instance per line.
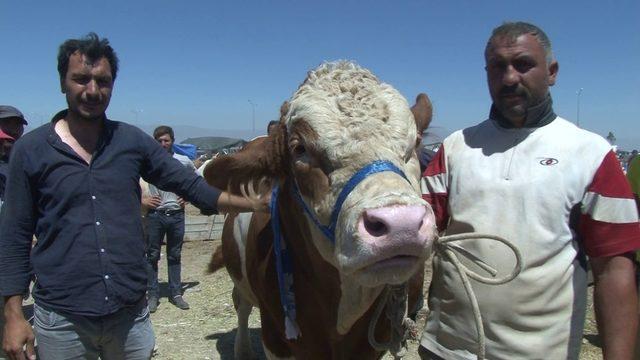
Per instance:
(74,184)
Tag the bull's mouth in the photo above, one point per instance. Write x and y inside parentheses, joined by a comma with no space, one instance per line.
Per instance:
(398,262)
(390,270)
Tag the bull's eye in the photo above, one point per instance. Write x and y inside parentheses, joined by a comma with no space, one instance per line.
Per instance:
(299,150)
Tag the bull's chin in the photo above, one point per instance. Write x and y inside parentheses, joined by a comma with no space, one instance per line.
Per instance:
(391,271)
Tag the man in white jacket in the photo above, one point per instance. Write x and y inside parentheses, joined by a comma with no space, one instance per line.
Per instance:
(558,193)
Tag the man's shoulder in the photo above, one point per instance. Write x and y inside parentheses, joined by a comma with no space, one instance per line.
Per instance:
(35,138)
(460,134)
(123,127)
(570,133)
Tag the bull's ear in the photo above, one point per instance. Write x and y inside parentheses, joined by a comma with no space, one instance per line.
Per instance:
(259,160)
(284,109)
(422,112)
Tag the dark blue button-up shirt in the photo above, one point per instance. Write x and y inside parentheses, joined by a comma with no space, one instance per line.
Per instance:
(89,258)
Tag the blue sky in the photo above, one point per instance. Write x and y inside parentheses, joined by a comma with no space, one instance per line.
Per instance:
(198,63)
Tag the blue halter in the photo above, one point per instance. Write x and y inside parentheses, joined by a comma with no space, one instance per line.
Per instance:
(373,168)
(284,264)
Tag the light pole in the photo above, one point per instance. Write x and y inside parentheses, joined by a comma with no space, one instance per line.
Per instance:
(253,117)
(578,93)
(137,112)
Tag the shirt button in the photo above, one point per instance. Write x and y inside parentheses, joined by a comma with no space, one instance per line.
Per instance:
(101,250)
(93,197)
(106,277)
(97,222)
(106,298)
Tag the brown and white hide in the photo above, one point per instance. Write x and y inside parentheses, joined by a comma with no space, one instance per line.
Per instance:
(340,119)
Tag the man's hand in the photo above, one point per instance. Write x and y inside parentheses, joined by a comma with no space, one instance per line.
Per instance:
(228,203)
(18,342)
(151,202)
(181,202)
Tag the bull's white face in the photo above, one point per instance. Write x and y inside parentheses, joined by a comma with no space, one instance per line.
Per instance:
(340,120)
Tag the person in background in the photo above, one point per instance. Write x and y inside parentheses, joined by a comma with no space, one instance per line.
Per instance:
(6,142)
(555,191)
(12,124)
(630,158)
(74,183)
(271,127)
(165,216)
(12,121)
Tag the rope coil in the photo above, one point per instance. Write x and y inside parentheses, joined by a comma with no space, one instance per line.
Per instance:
(396,300)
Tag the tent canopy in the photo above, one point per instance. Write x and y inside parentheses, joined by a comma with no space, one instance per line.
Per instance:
(214,144)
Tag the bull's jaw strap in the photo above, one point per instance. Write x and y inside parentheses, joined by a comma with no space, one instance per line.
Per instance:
(284,271)
(284,264)
(330,230)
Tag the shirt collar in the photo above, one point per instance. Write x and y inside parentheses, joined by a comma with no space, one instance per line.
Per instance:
(107,130)
(537,115)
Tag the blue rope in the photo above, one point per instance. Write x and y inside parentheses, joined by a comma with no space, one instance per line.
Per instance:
(284,265)
(373,168)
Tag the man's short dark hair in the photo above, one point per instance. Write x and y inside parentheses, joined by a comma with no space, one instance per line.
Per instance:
(513,30)
(92,47)
(163,130)
(272,122)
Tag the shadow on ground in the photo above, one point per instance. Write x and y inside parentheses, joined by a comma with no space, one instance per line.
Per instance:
(593,339)
(225,340)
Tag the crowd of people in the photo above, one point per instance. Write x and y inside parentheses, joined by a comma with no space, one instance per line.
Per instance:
(526,174)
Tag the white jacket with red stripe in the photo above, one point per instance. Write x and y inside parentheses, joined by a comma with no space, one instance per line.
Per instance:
(557,192)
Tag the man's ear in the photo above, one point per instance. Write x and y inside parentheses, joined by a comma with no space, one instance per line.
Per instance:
(63,88)
(553,72)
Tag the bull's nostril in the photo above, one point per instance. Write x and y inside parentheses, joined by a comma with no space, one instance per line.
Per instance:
(375,228)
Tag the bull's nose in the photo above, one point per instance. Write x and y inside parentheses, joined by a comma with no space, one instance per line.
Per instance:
(396,223)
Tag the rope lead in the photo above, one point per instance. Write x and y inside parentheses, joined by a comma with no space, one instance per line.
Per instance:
(396,300)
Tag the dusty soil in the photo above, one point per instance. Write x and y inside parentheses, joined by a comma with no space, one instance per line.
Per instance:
(207,330)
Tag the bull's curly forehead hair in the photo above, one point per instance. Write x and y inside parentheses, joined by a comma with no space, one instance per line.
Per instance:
(92,47)
(512,30)
(354,89)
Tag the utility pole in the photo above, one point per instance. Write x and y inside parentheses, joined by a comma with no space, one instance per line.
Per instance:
(137,112)
(578,93)
(253,117)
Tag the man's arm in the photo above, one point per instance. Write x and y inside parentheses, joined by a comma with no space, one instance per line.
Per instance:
(168,174)
(18,332)
(616,301)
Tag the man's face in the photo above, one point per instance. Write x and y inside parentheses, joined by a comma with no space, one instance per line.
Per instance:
(518,75)
(88,86)
(5,148)
(165,141)
(12,126)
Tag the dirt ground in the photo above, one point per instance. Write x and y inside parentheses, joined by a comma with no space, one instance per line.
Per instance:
(207,330)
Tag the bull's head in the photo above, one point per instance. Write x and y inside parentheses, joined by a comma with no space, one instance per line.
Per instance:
(340,120)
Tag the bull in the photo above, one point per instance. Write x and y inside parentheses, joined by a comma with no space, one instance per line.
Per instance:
(347,221)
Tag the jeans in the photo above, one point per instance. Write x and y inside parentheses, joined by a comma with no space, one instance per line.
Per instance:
(159,224)
(125,334)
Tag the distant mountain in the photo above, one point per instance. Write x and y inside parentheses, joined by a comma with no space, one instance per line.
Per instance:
(183,132)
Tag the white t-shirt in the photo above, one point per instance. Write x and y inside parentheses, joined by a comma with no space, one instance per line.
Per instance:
(557,192)
(169,199)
